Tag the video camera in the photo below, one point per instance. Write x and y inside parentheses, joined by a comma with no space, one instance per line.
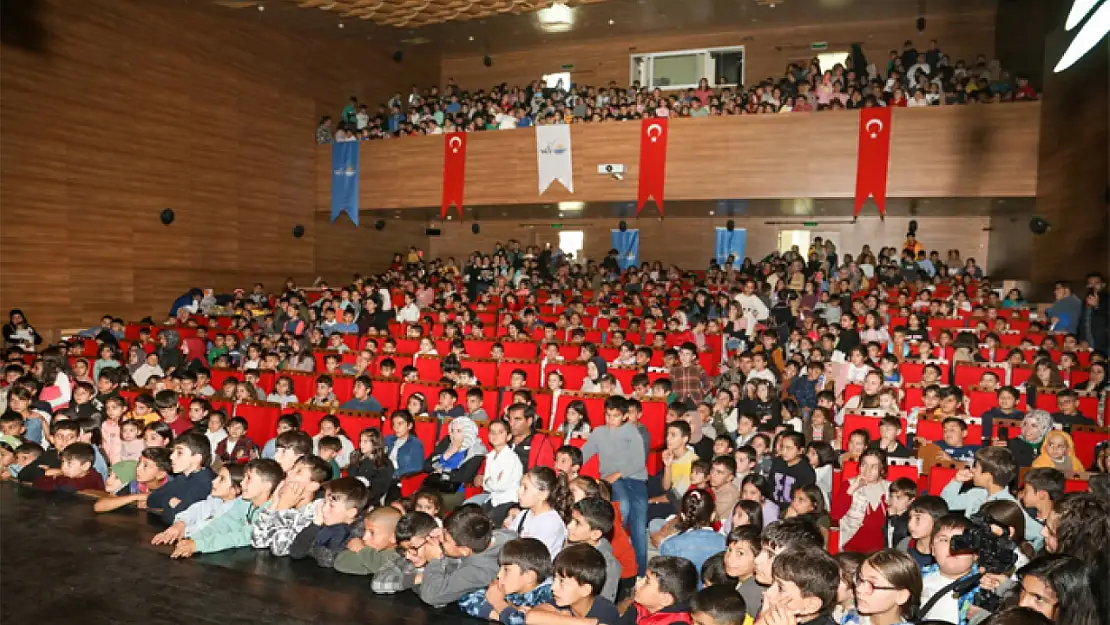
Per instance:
(997,555)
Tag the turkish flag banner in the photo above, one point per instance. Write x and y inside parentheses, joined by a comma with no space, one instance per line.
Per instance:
(653,162)
(874,156)
(454,172)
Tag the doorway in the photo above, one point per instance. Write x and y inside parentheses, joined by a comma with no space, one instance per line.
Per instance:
(571,242)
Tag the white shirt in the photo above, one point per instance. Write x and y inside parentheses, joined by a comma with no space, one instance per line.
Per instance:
(947,607)
(503,473)
(409,314)
(548,528)
(362,119)
(753,304)
(505,121)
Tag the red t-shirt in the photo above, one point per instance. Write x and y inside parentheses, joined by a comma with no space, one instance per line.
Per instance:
(180,425)
(622,546)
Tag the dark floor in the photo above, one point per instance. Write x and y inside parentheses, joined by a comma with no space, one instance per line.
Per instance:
(61,563)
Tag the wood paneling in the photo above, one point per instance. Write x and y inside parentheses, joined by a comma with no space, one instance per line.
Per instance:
(962,34)
(952,151)
(689,242)
(131,107)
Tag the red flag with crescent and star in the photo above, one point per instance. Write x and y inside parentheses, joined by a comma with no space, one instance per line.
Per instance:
(653,162)
(454,172)
(874,156)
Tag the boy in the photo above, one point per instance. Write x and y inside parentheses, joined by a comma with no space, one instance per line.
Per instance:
(1042,489)
(151,473)
(746,461)
(953,446)
(718,605)
(991,475)
(25,454)
(330,446)
(634,411)
(75,474)
(291,446)
(193,481)
(361,399)
(446,409)
(375,549)
(924,512)
(568,461)
(902,493)
(722,473)
(890,428)
(743,546)
(474,409)
(579,574)
(949,568)
(334,524)
(804,588)
(226,489)
(169,409)
(665,589)
(233,528)
(461,558)
(236,447)
(292,507)
(13,428)
(62,435)
(591,520)
(780,536)
(678,459)
(791,469)
(412,532)
(522,581)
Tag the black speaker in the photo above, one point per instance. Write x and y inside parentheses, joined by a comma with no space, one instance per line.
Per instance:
(432,232)
(1038,226)
(167,216)
(298,231)
(487,60)
(475,228)
(398,56)
(921,24)
(730,225)
(379,224)
(913,228)
(623,226)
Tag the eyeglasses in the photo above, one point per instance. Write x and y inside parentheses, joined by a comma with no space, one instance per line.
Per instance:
(866,587)
(412,549)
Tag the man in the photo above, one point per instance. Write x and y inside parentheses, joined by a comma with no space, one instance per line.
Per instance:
(531,452)
(1064,313)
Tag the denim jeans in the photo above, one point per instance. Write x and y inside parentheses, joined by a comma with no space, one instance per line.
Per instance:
(631,496)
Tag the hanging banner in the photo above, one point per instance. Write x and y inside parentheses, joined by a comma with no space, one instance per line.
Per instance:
(874,156)
(454,172)
(653,162)
(553,156)
(344,180)
(627,244)
(730,244)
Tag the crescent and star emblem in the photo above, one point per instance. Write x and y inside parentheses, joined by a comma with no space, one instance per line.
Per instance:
(658,132)
(454,143)
(874,133)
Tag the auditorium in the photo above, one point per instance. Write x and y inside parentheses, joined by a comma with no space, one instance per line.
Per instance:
(555,312)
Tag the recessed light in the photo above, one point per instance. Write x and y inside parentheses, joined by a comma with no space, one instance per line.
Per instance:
(470,38)
(341,24)
(611,22)
(710,213)
(261,7)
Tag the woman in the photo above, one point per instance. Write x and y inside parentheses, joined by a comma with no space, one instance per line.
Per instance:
(1097,382)
(861,507)
(455,461)
(696,539)
(1058,586)
(1034,428)
(18,333)
(300,358)
(595,370)
(887,589)
(1058,452)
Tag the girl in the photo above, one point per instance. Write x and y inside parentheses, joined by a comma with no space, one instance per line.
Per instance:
(545,501)
(131,442)
(503,474)
(19,334)
(110,429)
(576,423)
(746,512)
(215,431)
(406,452)
(758,489)
(108,358)
(861,509)
(819,427)
(417,405)
(1058,452)
(1057,586)
(371,464)
(283,392)
(808,502)
(430,503)
(849,563)
(823,458)
(696,540)
(285,423)
(57,387)
(329,426)
(888,590)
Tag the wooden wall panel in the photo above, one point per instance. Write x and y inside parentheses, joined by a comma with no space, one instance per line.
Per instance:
(767,50)
(952,151)
(132,107)
(689,242)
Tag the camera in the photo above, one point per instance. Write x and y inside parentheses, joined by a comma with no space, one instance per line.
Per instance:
(997,554)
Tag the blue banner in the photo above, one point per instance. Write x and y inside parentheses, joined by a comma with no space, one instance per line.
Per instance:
(627,244)
(344,180)
(730,244)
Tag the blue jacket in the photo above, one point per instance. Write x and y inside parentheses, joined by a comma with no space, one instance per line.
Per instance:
(189,489)
(410,457)
(695,545)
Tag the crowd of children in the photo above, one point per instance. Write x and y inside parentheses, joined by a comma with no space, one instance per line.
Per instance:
(735,518)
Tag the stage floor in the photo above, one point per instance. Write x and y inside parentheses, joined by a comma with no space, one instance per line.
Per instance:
(61,563)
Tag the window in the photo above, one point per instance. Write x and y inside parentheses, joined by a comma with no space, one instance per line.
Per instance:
(570,241)
(683,69)
(551,81)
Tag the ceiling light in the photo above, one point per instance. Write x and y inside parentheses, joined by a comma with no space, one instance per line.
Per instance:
(556,18)
(611,22)
(471,38)
(1097,26)
(261,7)
(341,24)
(571,206)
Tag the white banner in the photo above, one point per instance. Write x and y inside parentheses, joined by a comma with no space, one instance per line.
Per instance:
(553,156)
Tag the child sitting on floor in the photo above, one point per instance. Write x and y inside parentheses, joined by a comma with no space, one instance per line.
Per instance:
(292,507)
(226,489)
(151,473)
(376,548)
(193,481)
(335,522)
(75,474)
(667,588)
(412,534)
(461,557)
(522,581)
(579,575)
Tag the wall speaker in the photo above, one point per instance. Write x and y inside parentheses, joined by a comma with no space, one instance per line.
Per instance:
(1038,226)
(475,228)
(432,232)
(921,24)
(379,224)
(623,226)
(730,225)
(298,231)
(167,216)
(398,56)
(487,60)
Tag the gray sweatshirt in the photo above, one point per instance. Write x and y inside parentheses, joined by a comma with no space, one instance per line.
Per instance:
(447,579)
(619,451)
(612,570)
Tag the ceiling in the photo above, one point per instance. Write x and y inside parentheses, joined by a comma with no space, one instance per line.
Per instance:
(486,26)
(799,209)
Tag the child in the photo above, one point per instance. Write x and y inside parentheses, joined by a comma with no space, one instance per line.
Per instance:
(579,575)
(790,469)
(371,465)
(713,573)
(696,539)
(328,449)
(152,471)
(233,528)
(568,461)
(849,563)
(76,473)
(992,474)
(236,447)
(291,447)
(1042,489)
(461,557)
(544,500)
(949,568)
(576,423)
(719,606)
(216,430)
(743,546)
(170,410)
(375,549)
(804,587)
(503,474)
(193,481)
(522,581)
(666,588)
(924,513)
(953,446)
(11,424)
(25,454)
(412,533)
(226,489)
(890,428)
(591,520)
(330,426)
(584,487)
(285,423)
(292,507)
(902,493)
(334,524)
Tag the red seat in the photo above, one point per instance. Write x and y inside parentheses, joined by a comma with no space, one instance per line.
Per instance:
(531,370)
(654,419)
(855,422)
(933,431)
(573,373)
(595,409)
(520,350)
(939,477)
(1086,438)
(310,419)
(354,422)
(343,387)
(261,419)
(968,376)
(485,370)
(388,393)
(429,368)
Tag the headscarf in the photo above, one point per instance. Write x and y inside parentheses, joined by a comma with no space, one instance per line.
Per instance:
(140,358)
(602,367)
(1046,461)
(471,443)
(193,348)
(1044,423)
